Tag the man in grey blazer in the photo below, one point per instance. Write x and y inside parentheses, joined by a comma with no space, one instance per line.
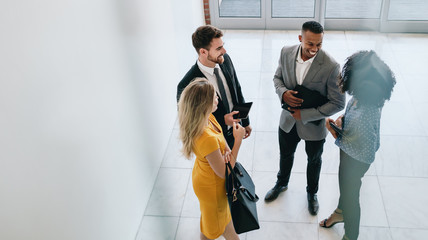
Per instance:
(311,67)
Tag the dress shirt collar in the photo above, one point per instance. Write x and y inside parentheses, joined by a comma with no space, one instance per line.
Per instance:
(206,69)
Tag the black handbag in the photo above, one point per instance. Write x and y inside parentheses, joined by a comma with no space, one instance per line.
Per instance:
(241,194)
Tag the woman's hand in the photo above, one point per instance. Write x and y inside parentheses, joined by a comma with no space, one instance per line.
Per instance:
(329,128)
(339,121)
(227,155)
(238,131)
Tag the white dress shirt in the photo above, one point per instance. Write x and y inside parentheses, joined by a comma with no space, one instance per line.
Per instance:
(209,74)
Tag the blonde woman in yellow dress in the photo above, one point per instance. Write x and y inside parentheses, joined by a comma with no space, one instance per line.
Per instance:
(202,136)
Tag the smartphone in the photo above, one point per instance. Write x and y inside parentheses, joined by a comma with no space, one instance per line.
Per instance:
(336,128)
(243,109)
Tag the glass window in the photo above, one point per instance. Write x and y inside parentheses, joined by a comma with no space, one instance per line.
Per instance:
(293,8)
(239,8)
(408,10)
(351,9)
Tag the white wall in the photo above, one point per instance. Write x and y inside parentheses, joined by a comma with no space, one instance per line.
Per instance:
(86,110)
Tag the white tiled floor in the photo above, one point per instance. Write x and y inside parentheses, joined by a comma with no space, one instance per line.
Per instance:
(393,196)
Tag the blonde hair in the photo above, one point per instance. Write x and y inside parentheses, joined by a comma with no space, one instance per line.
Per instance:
(194,107)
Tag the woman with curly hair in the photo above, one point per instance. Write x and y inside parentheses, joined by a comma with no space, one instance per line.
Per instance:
(202,136)
(370,82)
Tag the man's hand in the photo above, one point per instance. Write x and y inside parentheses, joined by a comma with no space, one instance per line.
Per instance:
(248,130)
(295,112)
(228,118)
(289,98)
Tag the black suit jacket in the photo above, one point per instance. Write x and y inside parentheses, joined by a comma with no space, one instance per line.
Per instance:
(233,83)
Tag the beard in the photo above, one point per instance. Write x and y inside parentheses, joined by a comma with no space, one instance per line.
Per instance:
(219,59)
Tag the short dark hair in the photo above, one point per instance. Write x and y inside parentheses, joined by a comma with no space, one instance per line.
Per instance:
(312,26)
(366,77)
(203,36)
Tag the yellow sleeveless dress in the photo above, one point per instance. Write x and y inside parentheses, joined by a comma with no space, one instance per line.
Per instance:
(208,187)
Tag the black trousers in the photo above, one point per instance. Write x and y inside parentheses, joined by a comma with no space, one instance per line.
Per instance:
(351,172)
(287,147)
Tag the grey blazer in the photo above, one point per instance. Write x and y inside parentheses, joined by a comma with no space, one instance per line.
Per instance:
(322,77)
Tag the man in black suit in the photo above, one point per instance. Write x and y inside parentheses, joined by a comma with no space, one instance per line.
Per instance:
(215,65)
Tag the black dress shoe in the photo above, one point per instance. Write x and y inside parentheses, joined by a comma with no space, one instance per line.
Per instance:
(313,204)
(274,192)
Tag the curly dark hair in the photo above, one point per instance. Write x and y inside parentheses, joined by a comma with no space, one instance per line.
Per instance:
(366,77)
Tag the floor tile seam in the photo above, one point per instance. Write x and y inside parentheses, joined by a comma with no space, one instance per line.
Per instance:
(372,226)
(374,170)
(403,135)
(153,191)
(419,119)
(161,216)
(298,222)
(155,215)
(169,141)
(407,228)
(137,235)
(267,171)
(190,217)
(329,173)
(280,221)
(259,85)
(170,167)
(294,171)
(182,205)
(156,178)
(383,201)
(411,177)
(386,135)
(258,109)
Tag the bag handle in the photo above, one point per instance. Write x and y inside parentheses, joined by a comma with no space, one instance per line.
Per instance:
(236,184)
(228,185)
(232,172)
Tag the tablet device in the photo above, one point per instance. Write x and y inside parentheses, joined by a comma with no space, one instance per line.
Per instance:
(336,128)
(243,108)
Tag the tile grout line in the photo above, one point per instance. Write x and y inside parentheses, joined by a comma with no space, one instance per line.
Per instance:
(383,202)
(182,206)
(151,192)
